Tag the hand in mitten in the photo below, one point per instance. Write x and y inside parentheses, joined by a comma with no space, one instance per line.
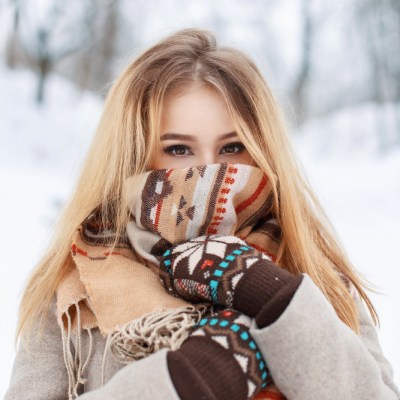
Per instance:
(219,360)
(227,271)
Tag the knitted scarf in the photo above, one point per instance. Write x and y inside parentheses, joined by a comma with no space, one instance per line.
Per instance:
(121,292)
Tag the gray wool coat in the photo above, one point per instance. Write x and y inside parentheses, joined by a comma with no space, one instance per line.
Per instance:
(311,354)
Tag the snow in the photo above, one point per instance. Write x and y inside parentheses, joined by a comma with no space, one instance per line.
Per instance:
(41,150)
(359,188)
(40,153)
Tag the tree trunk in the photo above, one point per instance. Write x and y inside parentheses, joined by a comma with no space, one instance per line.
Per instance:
(44,68)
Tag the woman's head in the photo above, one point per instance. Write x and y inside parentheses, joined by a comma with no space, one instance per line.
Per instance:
(185,84)
(188,84)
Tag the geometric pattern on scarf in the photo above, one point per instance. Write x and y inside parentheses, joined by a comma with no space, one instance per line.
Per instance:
(176,205)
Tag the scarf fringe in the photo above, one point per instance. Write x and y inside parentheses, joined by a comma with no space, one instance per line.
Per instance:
(133,341)
(73,364)
(152,332)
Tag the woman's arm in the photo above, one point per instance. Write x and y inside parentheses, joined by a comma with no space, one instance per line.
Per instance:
(43,376)
(312,354)
(146,379)
(201,368)
(41,373)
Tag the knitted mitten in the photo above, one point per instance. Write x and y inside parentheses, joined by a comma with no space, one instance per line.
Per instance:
(219,360)
(227,271)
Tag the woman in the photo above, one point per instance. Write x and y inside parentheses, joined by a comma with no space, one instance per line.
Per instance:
(185,125)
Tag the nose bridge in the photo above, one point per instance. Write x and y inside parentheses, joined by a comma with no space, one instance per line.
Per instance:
(208,156)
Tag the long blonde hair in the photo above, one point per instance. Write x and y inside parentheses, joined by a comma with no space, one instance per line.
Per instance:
(127,138)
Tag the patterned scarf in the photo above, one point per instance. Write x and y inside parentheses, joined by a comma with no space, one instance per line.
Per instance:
(121,293)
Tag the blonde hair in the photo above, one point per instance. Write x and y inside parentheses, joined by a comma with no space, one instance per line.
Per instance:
(127,138)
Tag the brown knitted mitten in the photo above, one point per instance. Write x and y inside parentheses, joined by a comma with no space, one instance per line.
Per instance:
(219,360)
(228,272)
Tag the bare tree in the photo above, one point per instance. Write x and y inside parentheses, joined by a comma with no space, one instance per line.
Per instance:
(11,46)
(43,44)
(380,29)
(93,67)
(298,93)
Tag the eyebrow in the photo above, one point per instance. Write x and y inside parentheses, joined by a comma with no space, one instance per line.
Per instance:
(180,136)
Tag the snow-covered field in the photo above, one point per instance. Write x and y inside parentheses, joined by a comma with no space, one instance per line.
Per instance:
(41,148)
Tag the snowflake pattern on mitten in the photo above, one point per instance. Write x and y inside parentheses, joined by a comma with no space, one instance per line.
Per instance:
(209,267)
(226,327)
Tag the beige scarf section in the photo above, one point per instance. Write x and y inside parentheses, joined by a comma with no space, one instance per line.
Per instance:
(120,292)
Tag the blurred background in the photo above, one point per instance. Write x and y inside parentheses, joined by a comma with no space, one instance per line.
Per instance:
(333,66)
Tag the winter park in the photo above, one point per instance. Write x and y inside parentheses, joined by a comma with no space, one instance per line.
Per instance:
(333,67)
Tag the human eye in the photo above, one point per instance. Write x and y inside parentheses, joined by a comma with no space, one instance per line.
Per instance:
(176,150)
(231,148)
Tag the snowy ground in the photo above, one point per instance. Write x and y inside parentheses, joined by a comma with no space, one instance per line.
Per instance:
(40,150)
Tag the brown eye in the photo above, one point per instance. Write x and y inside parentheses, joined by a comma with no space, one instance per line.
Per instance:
(176,150)
(232,146)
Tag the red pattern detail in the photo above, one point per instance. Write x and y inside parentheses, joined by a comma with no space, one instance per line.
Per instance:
(273,257)
(207,263)
(201,289)
(76,250)
(181,284)
(267,395)
(112,253)
(222,200)
(244,204)
(226,313)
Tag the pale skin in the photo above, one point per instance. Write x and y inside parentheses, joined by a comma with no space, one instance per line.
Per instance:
(196,129)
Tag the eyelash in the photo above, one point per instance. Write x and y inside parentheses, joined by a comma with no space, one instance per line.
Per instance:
(170,149)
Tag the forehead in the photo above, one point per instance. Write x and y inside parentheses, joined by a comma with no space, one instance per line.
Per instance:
(196,109)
